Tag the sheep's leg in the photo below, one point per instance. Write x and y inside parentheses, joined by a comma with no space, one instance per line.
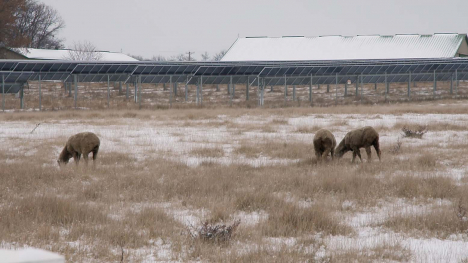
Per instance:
(354,156)
(95,152)
(85,157)
(377,148)
(357,152)
(369,154)
(332,153)
(318,155)
(76,157)
(325,154)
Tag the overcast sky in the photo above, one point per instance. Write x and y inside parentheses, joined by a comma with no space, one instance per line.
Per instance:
(171,27)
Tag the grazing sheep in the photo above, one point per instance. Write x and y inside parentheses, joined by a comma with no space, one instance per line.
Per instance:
(80,143)
(356,139)
(324,143)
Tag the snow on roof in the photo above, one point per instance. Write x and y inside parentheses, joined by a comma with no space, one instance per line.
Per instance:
(63,54)
(29,255)
(343,47)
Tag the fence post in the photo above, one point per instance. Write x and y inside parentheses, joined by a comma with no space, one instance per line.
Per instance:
(258,90)
(170,91)
(135,92)
(386,86)
(126,90)
(40,94)
(409,85)
(362,85)
(186,89)
(232,93)
(139,92)
(357,85)
(233,87)
(336,90)
(22,97)
(310,90)
(451,84)
(435,85)
(247,90)
(294,92)
(76,88)
(3,92)
(346,88)
(262,92)
(201,90)
(198,92)
(285,89)
(108,90)
(456,81)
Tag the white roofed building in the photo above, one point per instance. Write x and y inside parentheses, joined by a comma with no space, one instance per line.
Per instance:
(296,48)
(61,54)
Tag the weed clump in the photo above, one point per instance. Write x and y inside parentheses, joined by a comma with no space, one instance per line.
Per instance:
(216,233)
(418,132)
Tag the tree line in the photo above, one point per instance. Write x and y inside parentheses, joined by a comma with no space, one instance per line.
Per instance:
(30,24)
(182,57)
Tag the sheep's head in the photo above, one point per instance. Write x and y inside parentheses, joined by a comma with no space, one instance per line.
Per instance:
(63,157)
(341,149)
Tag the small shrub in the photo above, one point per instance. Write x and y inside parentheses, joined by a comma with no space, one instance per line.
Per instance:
(216,233)
(427,160)
(418,132)
(397,147)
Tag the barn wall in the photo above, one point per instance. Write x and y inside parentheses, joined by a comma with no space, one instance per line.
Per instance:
(463,49)
(8,54)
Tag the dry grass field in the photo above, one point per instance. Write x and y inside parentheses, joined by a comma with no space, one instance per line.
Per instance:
(161,174)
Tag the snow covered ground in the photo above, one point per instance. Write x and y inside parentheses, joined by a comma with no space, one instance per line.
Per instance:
(175,140)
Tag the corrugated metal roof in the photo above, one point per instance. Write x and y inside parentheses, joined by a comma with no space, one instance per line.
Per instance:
(345,48)
(63,54)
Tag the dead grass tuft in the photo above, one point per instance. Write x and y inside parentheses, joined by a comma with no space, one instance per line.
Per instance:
(440,222)
(427,187)
(47,210)
(289,220)
(427,160)
(208,152)
(307,129)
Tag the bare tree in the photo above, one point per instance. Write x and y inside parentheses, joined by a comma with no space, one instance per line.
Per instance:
(219,55)
(158,58)
(9,12)
(205,56)
(137,57)
(180,57)
(40,24)
(83,51)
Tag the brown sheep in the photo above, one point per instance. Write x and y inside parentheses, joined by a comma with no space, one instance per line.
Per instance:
(78,144)
(324,143)
(356,139)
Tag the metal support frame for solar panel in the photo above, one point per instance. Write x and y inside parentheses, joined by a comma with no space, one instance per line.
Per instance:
(17,72)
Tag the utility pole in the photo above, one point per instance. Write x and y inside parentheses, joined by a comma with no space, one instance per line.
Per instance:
(190,55)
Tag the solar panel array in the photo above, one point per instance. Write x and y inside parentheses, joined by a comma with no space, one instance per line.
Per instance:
(17,72)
